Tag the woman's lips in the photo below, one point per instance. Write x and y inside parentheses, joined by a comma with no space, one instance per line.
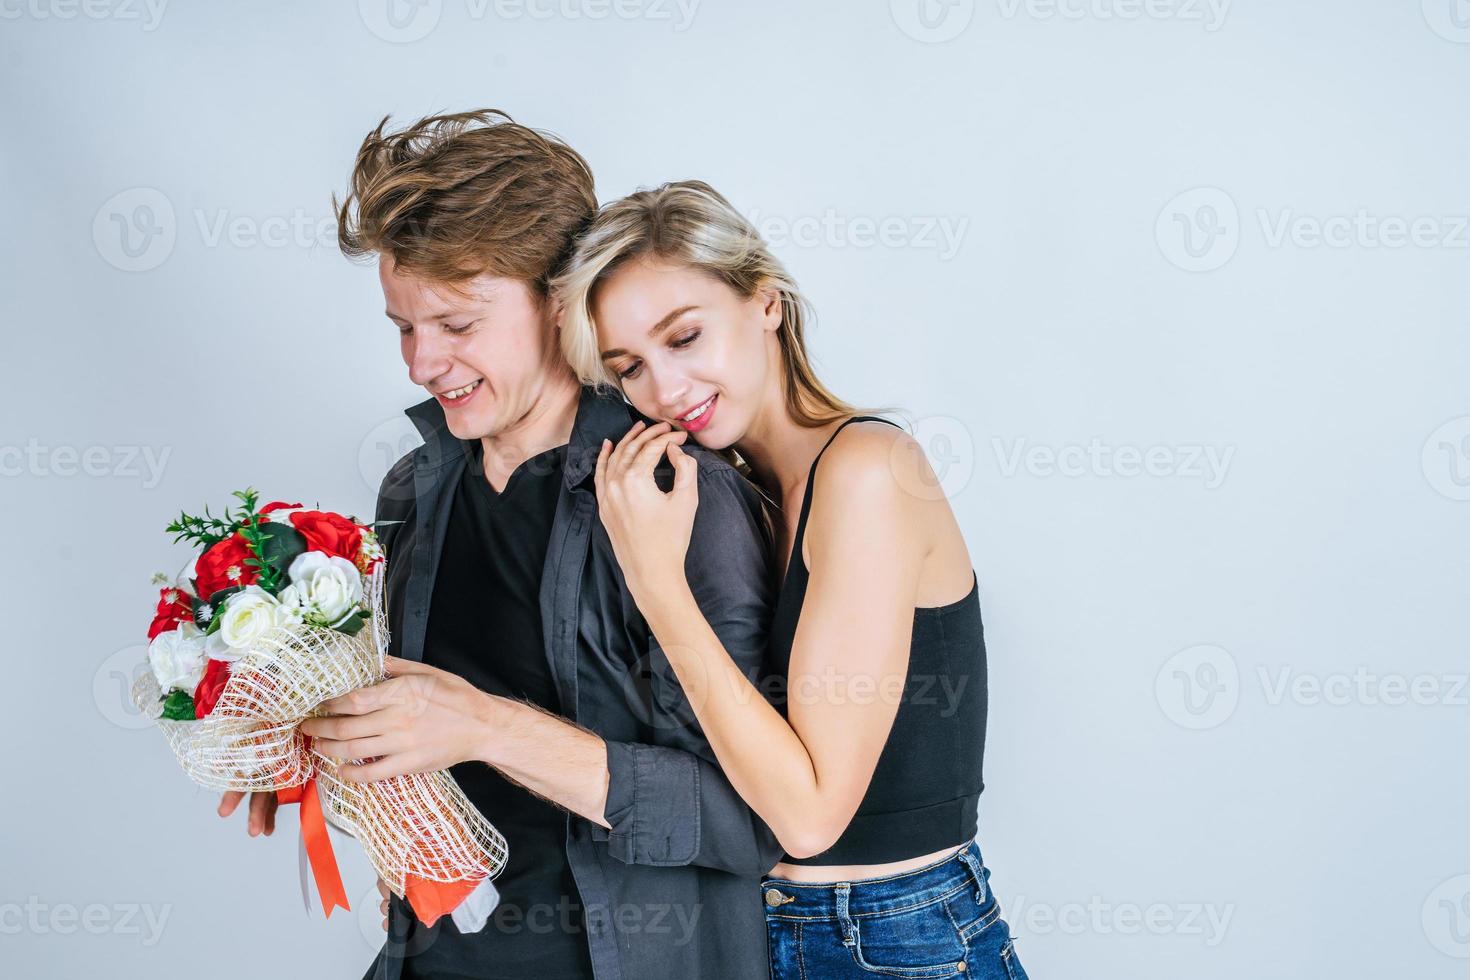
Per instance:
(694,425)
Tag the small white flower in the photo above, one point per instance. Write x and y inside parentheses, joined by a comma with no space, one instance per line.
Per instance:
(327,588)
(233,573)
(371,548)
(177,658)
(206,612)
(158,578)
(171,596)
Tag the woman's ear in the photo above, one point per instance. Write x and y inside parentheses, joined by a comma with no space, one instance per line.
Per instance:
(771,311)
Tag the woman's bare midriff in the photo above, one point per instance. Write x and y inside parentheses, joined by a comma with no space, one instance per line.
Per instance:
(821,874)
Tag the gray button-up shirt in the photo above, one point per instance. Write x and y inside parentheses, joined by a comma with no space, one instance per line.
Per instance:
(672,888)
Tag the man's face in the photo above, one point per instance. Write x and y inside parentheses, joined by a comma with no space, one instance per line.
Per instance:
(485,356)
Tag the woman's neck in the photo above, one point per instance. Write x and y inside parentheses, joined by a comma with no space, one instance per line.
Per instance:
(780,451)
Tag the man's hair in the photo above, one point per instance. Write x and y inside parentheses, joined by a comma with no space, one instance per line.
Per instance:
(455,196)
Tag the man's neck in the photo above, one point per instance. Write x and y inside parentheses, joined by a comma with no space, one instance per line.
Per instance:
(546,425)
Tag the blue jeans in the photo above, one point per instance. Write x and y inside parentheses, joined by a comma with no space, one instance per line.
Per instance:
(938,921)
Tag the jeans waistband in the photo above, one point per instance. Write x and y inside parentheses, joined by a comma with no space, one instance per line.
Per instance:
(785,899)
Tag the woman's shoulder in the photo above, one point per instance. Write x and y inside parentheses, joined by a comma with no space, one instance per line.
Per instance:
(872,464)
(867,451)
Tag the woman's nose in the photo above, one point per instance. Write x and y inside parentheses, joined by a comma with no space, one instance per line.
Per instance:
(672,391)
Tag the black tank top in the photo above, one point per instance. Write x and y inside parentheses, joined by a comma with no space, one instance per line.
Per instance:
(925,791)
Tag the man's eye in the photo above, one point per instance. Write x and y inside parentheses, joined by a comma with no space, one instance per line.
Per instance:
(405,331)
(462,329)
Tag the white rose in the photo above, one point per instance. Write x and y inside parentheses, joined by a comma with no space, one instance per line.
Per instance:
(328,588)
(290,610)
(177,658)
(246,616)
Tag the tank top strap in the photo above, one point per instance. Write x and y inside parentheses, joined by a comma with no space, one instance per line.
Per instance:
(811,478)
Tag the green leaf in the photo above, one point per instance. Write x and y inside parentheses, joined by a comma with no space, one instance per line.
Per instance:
(279,546)
(353,623)
(178,706)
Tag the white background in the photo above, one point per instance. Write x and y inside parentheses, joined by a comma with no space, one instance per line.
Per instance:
(1173,227)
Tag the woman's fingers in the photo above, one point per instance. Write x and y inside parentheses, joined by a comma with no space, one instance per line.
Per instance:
(641,466)
(634,441)
(686,469)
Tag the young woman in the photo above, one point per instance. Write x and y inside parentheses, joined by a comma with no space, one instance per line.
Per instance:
(868,765)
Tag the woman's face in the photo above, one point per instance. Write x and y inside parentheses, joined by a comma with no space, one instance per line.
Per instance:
(687,349)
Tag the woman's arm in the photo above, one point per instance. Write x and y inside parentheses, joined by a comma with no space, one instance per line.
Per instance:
(804,774)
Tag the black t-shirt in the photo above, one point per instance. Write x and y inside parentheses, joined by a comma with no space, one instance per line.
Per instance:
(485,625)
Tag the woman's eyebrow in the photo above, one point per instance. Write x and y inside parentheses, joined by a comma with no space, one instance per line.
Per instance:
(655,330)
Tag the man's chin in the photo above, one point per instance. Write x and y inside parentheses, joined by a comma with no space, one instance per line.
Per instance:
(468,429)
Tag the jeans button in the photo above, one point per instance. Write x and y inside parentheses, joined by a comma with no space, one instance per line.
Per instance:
(960,967)
(775,898)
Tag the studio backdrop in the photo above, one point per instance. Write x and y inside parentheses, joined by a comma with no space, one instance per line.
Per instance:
(1175,294)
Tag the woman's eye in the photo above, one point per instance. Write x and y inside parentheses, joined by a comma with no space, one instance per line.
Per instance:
(628,373)
(687,339)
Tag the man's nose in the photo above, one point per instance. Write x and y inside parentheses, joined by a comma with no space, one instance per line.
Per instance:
(427,356)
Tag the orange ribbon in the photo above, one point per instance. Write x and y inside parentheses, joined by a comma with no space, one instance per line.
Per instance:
(318,844)
(432,899)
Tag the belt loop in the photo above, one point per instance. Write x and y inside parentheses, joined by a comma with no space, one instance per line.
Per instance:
(976,871)
(844,921)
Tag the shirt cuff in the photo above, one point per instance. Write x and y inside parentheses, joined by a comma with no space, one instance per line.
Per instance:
(652,804)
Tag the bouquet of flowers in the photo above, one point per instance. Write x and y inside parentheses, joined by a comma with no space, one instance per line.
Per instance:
(280,610)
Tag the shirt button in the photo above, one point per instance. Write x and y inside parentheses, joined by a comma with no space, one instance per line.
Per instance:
(775,898)
(960,967)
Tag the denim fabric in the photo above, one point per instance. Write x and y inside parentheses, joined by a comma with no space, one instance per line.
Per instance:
(938,921)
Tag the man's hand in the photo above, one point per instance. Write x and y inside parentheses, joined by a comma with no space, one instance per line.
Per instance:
(418,720)
(262,810)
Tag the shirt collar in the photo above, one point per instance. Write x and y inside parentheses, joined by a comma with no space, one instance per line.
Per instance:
(601,414)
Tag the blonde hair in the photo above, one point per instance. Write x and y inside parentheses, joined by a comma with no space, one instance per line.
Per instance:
(688,222)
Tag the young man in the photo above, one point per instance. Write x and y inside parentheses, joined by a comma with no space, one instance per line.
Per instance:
(521,662)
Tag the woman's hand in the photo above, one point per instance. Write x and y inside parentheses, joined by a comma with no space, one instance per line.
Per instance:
(649,529)
(418,720)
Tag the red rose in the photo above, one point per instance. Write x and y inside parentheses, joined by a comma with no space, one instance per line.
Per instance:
(277,505)
(171,611)
(332,533)
(212,570)
(216,673)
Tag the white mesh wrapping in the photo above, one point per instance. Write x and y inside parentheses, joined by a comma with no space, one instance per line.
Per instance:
(420,824)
